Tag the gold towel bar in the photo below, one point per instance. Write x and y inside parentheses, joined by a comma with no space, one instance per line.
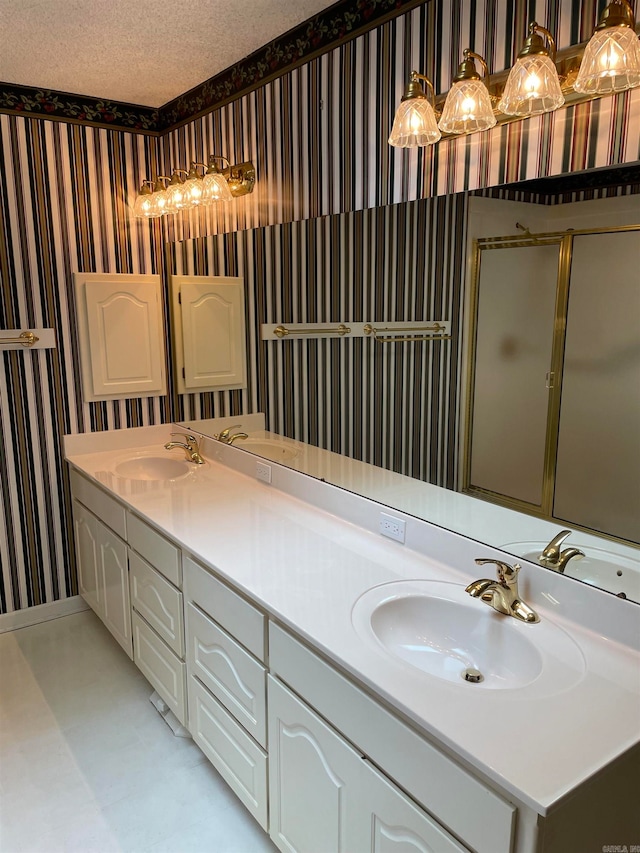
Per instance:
(27,339)
(282,331)
(434,332)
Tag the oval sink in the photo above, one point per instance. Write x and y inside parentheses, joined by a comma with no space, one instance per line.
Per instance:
(605,569)
(152,468)
(276,451)
(436,628)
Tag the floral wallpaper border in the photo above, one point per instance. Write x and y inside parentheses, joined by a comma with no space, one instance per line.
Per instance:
(339,23)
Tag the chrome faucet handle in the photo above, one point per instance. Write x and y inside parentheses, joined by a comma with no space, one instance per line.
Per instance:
(551,553)
(507,575)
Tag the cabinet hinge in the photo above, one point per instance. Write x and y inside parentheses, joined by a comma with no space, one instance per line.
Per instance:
(184,375)
(179,298)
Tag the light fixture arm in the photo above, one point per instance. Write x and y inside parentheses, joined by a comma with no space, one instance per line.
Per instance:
(471,54)
(415,90)
(535,43)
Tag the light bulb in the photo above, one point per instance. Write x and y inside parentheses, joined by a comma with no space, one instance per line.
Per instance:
(175,196)
(143,206)
(215,187)
(192,187)
(533,85)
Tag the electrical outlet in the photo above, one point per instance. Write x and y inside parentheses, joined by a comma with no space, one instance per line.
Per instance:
(263,472)
(392,527)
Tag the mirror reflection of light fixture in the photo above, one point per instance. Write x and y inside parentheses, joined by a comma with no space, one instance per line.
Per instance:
(468,107)
(195,191)
(611,61)
(533,85)
(415,123)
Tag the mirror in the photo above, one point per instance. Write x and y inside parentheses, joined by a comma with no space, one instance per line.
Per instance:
(404,407)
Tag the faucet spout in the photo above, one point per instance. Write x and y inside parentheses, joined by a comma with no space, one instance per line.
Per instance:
(189,445)
(553,557)
(502,594)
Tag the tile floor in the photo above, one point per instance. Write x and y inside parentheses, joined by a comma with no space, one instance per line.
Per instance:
(87,765)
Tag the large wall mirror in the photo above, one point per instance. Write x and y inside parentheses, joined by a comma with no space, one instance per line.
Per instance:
(519,423)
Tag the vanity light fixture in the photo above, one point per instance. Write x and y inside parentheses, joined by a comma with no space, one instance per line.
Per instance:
(154,199)
(468,107)
(611,61)
(533,85)
(415,123)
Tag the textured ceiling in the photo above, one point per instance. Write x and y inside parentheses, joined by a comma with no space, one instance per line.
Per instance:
(139,51)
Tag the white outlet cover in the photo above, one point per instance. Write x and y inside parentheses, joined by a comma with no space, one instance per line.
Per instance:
(263,472)
(392,527)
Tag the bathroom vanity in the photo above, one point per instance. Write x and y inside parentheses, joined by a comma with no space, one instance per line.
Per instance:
(265,615)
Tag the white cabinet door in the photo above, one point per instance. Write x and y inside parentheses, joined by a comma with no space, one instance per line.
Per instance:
(313,780)
(210,332)
(390,823)
(89,585)
(121,332)
(114,574)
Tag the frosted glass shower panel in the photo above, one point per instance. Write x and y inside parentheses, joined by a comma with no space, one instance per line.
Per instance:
(516,293)
(598,467)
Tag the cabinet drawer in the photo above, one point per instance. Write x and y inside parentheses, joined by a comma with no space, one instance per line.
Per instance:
(241,619)
(157,601)
(162,554)
(160,666)
(236,756)
(469,809)
(100,503)
(235,678)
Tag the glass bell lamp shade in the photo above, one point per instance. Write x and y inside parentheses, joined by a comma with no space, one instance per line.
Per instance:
(533,87)
(414,124)
(143,207)
(215,187)
(176,197)
(611,62)
(467,108)
(192,188)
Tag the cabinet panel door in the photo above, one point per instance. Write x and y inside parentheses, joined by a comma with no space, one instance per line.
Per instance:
(161,667)
(210,332)
(391,823)
(121,334)
(89,585)
(114,571)
(313,780)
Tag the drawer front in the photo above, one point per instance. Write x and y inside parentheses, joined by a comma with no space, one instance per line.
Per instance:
(157,601)
(160,552)
(236,756)
(100,503)
(242,620)
(160,666)
(469,809)
(235,678)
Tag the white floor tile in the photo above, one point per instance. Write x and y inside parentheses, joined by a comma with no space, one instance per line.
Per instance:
(86,762)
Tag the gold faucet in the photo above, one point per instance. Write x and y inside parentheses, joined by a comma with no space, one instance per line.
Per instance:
(226,438)
(189,445)
(503,594)
(554,558)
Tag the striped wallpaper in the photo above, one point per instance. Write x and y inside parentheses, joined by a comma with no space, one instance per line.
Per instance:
(317,136)
(394,405)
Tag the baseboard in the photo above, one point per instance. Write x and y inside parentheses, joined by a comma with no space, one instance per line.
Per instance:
(41,613)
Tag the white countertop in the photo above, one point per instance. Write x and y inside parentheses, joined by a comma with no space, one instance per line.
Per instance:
(307,568)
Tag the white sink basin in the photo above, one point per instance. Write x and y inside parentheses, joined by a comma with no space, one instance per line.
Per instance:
(435,627)
(614,572)
(276,451)
(153,468)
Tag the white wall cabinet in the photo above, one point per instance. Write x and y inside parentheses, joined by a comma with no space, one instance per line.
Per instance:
(103,574)
(121,334)
(209,333)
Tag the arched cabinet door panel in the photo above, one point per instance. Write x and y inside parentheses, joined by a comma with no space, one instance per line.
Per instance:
(121,334)
(209,332)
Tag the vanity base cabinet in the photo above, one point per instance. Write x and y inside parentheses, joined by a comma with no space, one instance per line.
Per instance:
(326,796)
(103,574)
